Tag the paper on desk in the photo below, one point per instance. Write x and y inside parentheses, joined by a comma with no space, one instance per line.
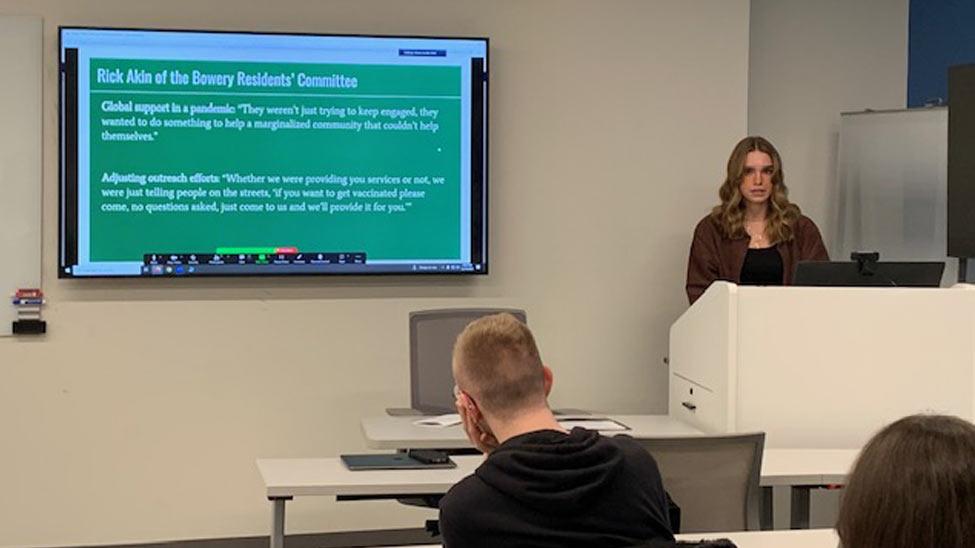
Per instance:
(440,421)
(601,424)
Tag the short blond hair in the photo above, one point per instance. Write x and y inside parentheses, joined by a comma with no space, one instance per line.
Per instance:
(497,362)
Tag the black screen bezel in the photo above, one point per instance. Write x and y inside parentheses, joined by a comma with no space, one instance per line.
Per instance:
(68,165)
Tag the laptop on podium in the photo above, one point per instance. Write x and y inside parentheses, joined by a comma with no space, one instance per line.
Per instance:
(866,270)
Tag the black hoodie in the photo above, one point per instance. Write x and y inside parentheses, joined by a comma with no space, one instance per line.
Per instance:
(550,489)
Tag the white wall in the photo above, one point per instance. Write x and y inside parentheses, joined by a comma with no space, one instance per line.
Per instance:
(20,159)
(139,416)
(810,61)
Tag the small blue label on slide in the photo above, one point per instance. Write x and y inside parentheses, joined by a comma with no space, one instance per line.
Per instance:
(422,53)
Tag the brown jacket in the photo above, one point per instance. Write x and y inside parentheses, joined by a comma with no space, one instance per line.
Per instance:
(715,257)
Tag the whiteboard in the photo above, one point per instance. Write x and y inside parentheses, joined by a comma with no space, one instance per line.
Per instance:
(20,159)
(893,187)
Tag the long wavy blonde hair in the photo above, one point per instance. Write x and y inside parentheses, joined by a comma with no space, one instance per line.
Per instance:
(730,213)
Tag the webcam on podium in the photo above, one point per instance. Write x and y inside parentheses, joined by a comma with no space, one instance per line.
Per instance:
(866,270)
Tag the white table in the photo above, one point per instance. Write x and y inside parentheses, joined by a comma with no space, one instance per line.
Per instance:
(288,478)
(400,433)
(799,466)
(386,432)
(803,470)
(809,538)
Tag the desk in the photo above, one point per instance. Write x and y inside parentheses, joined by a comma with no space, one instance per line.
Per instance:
(285,479)
(810,538)
(400,432)
(799,466)
(803,470)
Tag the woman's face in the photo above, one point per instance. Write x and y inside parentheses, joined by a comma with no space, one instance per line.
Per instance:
(756,181)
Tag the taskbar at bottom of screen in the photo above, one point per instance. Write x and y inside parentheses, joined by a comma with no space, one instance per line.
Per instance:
(183,270)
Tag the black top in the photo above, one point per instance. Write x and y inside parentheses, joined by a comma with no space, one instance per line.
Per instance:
(550,489)
(762,267)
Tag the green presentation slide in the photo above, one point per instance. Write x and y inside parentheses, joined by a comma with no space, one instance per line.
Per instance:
(192,156)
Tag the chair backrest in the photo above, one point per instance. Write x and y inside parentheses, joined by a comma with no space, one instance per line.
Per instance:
(432,336)
(714,479)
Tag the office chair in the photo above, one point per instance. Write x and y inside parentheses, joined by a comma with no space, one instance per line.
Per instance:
(714,479)
(432,336)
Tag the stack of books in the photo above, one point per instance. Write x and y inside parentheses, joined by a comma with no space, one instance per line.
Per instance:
(28,303)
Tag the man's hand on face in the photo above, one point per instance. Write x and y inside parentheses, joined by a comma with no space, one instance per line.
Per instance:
(480,435)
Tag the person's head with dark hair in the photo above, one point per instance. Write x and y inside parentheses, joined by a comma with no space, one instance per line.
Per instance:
(913,485)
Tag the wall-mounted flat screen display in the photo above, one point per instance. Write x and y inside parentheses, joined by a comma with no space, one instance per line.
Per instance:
(192,153)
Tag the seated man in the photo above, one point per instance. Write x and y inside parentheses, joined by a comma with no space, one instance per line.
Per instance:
(540,485)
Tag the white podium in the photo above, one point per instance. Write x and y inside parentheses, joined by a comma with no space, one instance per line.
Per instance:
(821,367)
